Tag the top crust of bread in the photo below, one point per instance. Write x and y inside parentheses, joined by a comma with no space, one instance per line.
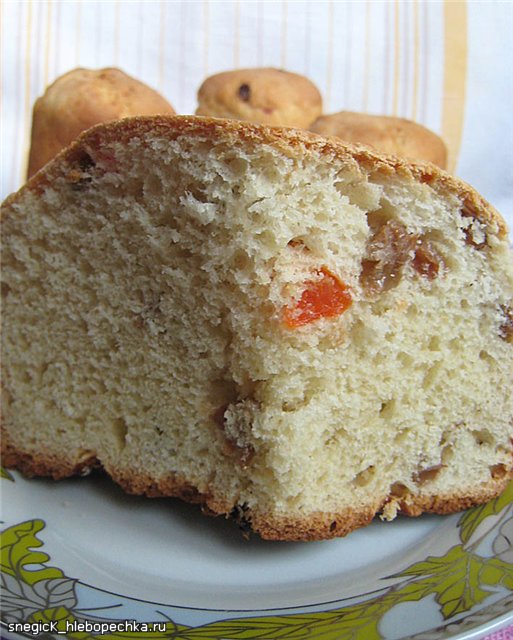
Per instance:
(289,141)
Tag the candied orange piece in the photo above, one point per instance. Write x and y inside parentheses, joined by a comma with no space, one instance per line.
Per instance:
(325,297)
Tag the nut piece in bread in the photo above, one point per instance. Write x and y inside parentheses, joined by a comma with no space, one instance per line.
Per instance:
(265,95)
(82,98)
(290,330)
(388,134)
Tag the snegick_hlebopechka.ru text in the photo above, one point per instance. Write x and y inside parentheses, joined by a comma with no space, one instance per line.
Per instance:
(64,627)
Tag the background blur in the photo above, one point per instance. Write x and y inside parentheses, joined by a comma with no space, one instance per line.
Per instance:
(447,64)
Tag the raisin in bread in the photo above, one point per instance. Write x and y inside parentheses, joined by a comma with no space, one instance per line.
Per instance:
(284,328)
(82,98)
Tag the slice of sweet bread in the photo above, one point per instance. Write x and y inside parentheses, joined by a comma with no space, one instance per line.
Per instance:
(281,327)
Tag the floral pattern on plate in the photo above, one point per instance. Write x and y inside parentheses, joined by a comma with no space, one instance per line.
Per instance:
(461,583)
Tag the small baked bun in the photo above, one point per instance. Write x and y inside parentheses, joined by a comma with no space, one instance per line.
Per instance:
(295,332)
(388,134)
(82,98)
(268,96)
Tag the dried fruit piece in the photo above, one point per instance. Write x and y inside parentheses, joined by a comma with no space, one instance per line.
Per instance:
(324,297)
(389,249)
(235,421)
(243,454)
(427,261)
(244,92)
(506,328)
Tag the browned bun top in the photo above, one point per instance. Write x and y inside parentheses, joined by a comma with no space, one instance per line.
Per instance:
(82,98)
(265,95)
(389,134)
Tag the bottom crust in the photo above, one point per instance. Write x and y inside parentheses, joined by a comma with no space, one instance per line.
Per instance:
(314,526)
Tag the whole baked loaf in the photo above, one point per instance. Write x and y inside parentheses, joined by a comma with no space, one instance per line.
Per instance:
(387,134)
(265,95)
(292,331)
(82,98)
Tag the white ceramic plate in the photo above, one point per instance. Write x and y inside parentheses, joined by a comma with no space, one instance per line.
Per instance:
(82,552)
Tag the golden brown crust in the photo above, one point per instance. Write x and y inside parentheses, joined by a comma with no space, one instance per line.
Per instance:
(313,526)
(82,98)
(292,142)
(46,463)
(387,134)
(266,95)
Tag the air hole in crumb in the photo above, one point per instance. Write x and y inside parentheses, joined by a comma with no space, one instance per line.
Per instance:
(498,471)
(443,439)
(412,311)
(241,260)
(405,359)
(447,454)
(483,436)
(427,475)
(387,409)
(239,166)
(267,238)
(86,268)
(486,357)
(85,161)
(85,455)
(402,436)
(434,343)
(333,525)
(431,376)
(455,344)
(153,185)
(289,407)
(377,219)
(120,430)
(134,187)
(363,478)
(399,490)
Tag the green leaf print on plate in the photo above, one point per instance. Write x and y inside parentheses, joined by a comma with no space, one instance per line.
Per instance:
(5,474)
(458,580)
(472,518)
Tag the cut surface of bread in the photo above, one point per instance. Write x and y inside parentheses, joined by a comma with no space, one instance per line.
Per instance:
(286,329)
